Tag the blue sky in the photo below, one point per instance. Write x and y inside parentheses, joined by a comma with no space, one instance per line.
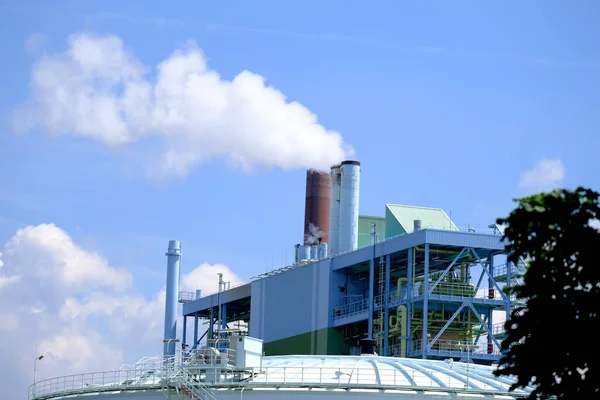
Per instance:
(446,105)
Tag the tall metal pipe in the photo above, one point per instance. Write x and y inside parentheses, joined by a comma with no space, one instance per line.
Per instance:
(173,263)
(323,253)
(316,210)
(349,199)
(334,210)
(220,305)
(296,253)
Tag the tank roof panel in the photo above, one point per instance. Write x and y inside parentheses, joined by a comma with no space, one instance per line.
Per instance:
(385,371)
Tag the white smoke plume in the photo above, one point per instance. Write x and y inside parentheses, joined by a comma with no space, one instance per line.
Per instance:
(313,234)
(98,89)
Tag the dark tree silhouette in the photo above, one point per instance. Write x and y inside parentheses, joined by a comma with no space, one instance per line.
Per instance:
(553,341)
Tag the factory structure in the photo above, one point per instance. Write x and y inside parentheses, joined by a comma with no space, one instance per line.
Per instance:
(409,279)
(401,304)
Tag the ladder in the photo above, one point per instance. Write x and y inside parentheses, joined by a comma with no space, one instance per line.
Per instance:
(382,302)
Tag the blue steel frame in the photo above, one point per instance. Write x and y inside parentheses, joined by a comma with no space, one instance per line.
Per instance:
(480,246)
(469,243)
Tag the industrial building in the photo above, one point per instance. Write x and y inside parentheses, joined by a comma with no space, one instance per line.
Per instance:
(398,305)
(409,279)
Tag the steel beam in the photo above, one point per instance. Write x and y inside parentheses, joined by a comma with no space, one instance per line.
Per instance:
(184,331)
(489,274)
(489,331)
(489,310)
(508,279)
(212,322)
(371,297)
(195,331)
(409,293)
(448,269)
(445,326)
(386,314)
(425,301)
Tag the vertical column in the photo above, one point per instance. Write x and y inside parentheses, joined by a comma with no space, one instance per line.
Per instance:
(211,325)
(508,282)
(409,294)
(490,346)
(386,315)
(334,210)
(349,204)
(224,316)
(195,331)
(371,296)
(173,260)
(184,331)
(425,302)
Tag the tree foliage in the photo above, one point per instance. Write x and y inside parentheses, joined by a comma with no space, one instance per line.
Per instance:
(552,341)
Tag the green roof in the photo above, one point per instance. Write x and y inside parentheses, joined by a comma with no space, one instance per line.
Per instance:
(364,229)
(400,219)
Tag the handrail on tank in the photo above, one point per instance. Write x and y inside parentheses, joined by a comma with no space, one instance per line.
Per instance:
(170,375)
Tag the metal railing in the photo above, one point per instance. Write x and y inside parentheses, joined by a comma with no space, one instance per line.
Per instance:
(450,290)
(350,309)
(186,297)
(197,384)
(498,329)
(455,346)
(471,230)
(191,296)
(443,289)
(98,382)
(502,270)
(191,387)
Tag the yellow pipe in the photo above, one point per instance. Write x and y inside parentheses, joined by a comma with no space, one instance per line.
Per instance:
(400,282)
(403,316)
(438,251)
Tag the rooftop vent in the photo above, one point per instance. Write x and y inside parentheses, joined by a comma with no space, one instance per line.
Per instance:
(417,225)
(367,347)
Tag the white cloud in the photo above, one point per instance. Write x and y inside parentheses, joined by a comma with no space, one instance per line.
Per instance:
(51,254)
(547,174)
(204,278)
(81,311)
(99,90)
(34,42)
(595,223)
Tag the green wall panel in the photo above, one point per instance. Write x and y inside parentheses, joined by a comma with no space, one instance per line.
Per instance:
(328,341)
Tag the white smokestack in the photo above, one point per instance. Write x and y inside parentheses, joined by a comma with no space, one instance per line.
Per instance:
(349,198)
(334,210)
(98,89)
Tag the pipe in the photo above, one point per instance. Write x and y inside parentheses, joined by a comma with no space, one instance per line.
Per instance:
(334,210)
(438,250)
(219,305)
(323,253)
(317,207)
(304,253)
(297,253)
(371,296)
(416,225)
(173,264)
(314,252)
(349,202)
(403,329)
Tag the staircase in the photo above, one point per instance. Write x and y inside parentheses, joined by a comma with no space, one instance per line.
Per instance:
(184,382)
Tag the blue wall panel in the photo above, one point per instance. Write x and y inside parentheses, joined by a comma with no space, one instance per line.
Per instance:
(291,303)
